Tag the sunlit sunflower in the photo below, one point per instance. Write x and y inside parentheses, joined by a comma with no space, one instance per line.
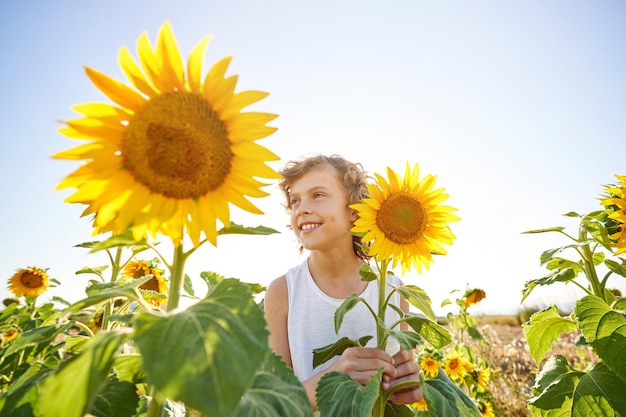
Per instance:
(455,367)
(482,376)
(473,296)
(616,205)
(486,409)
(157,284)
(31,282)
(420,405)
(404,220)
(173,151)
(430,366)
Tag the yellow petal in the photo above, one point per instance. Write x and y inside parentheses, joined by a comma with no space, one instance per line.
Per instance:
(115,90)
(194,65)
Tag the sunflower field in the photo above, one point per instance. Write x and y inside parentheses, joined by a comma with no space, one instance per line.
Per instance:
(165,159)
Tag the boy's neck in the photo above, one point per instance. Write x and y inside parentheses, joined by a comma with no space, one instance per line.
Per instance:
(337,276)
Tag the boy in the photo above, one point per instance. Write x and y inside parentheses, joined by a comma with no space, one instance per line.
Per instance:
(300,305)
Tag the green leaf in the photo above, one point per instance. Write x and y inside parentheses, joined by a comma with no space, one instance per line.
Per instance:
(243,230)
(562,391)
(367,273)
(338,395)
(394,410)
(70,390)
(117,399)
(205,356)
(564,275)
(347,305)
(407,339)
(188,286)
(543,329)
(129,368)
(435,334)
(615,267)
(418,298)
(275,392)
(444,398)
(122,240)
(549,254)
(99,293)
(39,336)
(22,393)
(74,344)
(324,354)
(549,229)
(605,330)
(97,270)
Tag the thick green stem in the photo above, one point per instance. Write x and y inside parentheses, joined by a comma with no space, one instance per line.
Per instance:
(589,267)
(381,340)
(108,306)
(177,279)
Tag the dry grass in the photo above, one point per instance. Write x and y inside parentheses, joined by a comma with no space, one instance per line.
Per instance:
(513,367)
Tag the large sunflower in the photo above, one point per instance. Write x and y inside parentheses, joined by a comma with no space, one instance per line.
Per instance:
(615,202)
(404,220)
(31,282)
(173,150)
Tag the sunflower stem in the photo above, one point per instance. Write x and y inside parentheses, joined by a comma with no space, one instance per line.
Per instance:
(176,276)
(381,340)
(177,269)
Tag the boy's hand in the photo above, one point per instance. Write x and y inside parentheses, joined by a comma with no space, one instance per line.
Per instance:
(407,369)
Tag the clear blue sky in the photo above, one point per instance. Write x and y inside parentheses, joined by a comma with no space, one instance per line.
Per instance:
(517,106)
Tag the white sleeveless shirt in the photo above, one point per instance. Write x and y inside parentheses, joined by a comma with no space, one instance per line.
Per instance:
(311,323)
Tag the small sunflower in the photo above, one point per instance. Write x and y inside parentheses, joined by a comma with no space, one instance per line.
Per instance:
(31,282)
(482,376)
(474,296)
(455,367)
(157,284)
(420,405)
(430,366)
(615,202)
(173,151)
(404,220)
(9,335)
(486,409)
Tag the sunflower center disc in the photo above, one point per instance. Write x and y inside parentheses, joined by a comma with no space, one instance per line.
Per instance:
(177,146)
(30,280)
(401,218)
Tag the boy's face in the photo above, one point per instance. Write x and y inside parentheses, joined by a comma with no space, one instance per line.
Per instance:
(320,216)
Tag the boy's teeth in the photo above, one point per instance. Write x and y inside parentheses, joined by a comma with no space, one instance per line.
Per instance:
(308,226)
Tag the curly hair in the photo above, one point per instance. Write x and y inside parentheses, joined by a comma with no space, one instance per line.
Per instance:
(351,174)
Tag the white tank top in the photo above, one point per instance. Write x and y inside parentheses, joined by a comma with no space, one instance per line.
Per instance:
(311,325)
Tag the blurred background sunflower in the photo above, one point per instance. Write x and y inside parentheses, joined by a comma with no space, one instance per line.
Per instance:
(30,282)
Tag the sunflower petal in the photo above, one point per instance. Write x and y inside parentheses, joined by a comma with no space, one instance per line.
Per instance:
(115,90)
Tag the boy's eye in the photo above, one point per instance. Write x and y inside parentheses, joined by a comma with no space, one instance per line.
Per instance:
(318,195)
(294,201)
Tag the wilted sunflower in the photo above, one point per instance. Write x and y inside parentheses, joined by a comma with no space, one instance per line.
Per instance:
(157,284)
(430,366)
(404,220)
(31,282)
(473,296)
(173,151)
(616,204)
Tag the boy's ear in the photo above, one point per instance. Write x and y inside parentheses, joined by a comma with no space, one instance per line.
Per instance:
(353,215)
